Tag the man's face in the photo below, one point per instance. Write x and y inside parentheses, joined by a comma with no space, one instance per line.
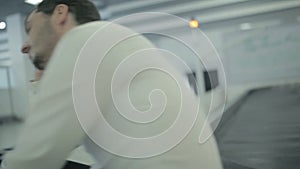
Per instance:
(41,39)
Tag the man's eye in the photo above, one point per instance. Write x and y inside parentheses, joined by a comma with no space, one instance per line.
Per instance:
(27,29)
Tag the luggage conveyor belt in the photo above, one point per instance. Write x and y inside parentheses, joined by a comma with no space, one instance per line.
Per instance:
(262,130)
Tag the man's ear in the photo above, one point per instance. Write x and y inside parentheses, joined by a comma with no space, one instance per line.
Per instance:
(60,14)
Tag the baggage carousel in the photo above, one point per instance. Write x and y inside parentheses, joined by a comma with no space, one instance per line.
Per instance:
(262,130)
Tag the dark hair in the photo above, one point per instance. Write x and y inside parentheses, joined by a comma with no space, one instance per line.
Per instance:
(83,10)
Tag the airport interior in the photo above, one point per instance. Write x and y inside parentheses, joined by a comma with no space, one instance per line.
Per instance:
(243,59)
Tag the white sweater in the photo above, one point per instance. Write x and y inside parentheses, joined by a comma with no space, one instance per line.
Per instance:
(52,129)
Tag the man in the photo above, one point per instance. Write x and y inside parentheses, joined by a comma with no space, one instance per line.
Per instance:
(54,127)
(45,26)
(52,19)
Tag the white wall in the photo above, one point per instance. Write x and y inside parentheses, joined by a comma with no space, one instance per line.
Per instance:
(265,55)
(5,109)
(20,69)
(221,39)
(217,30)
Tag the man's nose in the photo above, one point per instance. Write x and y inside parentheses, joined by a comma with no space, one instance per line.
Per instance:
(25,48)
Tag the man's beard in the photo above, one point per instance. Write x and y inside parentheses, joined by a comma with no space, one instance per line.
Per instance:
(39,63)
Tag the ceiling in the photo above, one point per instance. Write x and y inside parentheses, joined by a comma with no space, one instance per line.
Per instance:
(13,6)
(223,15)
(208,12)
(8,7)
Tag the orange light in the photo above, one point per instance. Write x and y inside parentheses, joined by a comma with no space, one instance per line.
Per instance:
(194,23)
